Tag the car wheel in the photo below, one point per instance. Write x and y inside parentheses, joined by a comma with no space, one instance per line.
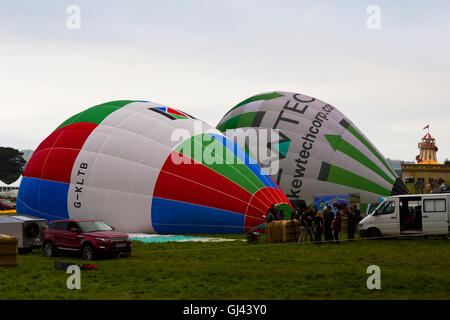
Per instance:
(49,249)
(87,252)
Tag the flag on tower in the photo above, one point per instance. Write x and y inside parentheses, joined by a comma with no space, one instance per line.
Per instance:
(428,126)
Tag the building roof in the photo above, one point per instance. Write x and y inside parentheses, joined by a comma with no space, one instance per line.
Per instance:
(428,161)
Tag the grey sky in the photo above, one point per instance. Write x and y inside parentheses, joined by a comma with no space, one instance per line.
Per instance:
(204,57)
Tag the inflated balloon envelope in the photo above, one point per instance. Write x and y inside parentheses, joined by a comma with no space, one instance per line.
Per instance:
(145,167)
(317,150)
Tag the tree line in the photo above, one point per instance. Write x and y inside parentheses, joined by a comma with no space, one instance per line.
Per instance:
(12,164)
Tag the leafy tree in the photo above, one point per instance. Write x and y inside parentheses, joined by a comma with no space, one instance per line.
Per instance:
(447,161)
(11,164)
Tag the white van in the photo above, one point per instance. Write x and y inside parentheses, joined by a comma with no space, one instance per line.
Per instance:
(417,214)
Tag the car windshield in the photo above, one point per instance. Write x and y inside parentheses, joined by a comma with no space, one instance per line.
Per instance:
(92,226)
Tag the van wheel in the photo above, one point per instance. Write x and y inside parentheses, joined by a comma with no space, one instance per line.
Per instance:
(373,233)
(87,252)
(49,249)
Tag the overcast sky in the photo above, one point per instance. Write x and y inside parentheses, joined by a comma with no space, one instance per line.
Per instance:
(204,57)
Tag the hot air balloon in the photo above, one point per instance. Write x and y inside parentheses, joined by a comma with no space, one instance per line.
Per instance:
(316,148)
(145,167)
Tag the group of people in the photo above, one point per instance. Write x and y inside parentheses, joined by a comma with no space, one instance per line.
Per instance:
(314,223)
(274,214)
(433,184)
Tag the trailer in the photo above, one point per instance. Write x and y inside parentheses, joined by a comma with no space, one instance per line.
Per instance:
(28,230)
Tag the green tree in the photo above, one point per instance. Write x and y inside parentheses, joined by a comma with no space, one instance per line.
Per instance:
(11,164)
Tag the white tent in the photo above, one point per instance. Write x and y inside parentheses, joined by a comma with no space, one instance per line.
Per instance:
(10,190)
(16,184)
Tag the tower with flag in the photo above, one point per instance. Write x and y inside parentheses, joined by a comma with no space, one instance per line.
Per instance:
(427,148)
(426,167)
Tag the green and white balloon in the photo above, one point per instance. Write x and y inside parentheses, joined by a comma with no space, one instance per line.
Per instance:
(320,150)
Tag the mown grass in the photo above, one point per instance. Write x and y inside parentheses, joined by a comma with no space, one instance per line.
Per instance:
(410,269)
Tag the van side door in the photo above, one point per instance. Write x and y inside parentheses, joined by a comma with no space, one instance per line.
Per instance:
(435,215)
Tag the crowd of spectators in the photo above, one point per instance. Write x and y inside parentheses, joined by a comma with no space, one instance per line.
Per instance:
(315,223)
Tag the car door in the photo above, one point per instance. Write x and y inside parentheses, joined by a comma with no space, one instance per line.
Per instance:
(387,218)
(435,215)
(60,230)
(73,239)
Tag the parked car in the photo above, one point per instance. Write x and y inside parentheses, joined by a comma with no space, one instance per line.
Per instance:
(89,237)
(7,205)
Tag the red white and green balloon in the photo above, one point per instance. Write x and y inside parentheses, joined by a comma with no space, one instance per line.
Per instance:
(114,161)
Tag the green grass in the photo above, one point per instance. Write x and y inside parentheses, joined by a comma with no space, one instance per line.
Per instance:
(410,269)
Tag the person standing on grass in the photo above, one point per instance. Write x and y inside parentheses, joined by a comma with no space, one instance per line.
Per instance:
(336,226)
(327,221)
(303,228)
(318,224)
(270,215)
(351,223)
(309,221)
(297,212)
(358,217)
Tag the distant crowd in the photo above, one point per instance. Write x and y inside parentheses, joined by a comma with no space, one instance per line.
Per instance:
(433,184)
(315,223)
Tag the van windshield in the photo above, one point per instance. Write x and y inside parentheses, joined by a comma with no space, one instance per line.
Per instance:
(380,209)
(93,226)
(387,207)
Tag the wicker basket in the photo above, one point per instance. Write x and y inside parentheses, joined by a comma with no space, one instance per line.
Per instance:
(282,231)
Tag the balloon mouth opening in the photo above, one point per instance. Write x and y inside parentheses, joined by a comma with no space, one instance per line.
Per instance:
(285,209)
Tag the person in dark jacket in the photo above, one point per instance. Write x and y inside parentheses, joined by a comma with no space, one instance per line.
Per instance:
(351,223)
(270,214)
(296,213)
(328,217)
(310,219)
(357,216)
(336,226)
(280,215)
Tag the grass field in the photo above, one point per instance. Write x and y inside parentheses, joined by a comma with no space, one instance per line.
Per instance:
(410,269)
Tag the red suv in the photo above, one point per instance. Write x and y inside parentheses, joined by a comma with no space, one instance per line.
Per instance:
(89,237)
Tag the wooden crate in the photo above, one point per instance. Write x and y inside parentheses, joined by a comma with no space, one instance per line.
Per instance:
(8,250)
